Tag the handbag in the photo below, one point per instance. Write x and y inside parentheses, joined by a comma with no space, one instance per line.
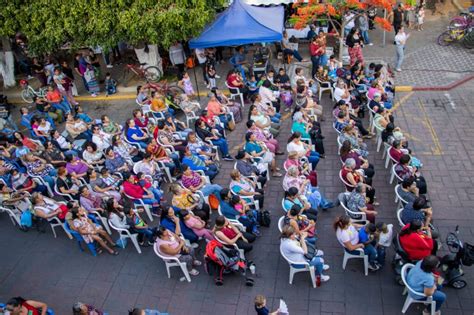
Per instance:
(312,251)
(26,219)
(213,202)
(121,242)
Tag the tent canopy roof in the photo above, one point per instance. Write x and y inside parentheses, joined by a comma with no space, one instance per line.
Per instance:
(242,24)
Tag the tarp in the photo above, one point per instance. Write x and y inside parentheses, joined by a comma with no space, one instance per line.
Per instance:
(242,24)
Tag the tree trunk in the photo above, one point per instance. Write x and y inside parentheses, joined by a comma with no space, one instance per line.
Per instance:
(341,41)
(7,65)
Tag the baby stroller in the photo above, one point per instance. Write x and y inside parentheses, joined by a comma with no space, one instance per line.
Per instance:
(222,260)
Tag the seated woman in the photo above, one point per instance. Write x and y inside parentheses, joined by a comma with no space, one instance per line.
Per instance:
(416,240)
(171,222)
(158,105)
(303,167)
(135,135)
(102,139)
(348,236)
(93,156)
(405,170)
(164,136)
(176,126)
(117,216)
(246,188)
(132,188)
(263,121)
(110,127)
(353,177)
(47,208)
(76,167)
(140,227)
(293,246)
(266,107)
(20,306)
(66,184)
(184,199)
(114,162)
(21,182)
(27,142)
(392,133)
(214,108)
(309,130)
(77,128)
(194,181)
(396,151)
(196,224)
(231,106)
(235,208)
(347,152)
(41,127)
(159,154)
(53,155)
(304,101)
(141,121)
(293,197)
(129,152)
(230,235)
(149,168)
(62,143)
(54,97)
(91,232)
(90,200)
(101,188)
(259,150)
(199,147)
(303,149)
(170,244)
(350,134)
(313,195)
(197,162)
(37,166)
(382,118)
(213,135)
(301,224)
(265,137)
(356,202)
(246,166)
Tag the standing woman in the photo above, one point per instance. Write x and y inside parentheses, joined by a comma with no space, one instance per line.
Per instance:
(400,41)
(354,43)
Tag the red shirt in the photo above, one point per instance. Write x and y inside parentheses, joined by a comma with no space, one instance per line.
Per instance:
(396,154)
(133,190)
(231,78)
(313,49)
(417,245)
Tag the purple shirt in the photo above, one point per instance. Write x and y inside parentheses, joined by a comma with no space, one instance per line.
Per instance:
(79,168)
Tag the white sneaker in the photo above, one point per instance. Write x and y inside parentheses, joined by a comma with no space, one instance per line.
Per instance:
(218,76)
(398,70)
(319,253)
(325,267)
(109,66)
(370,44)
(325,278)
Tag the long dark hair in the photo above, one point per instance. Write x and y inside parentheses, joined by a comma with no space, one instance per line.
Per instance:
(294,136)
(341,222)
(345,148)
(413,226)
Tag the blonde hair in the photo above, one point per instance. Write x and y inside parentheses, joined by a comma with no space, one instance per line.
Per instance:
(260,301)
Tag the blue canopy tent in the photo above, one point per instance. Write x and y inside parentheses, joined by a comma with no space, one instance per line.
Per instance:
(242,24)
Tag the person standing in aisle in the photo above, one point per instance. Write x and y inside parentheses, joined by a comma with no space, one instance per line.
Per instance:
(400,41)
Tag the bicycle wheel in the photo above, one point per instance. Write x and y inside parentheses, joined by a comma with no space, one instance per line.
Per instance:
(27,96)
(468,40)
(42,92)
(153,74)
(445,39)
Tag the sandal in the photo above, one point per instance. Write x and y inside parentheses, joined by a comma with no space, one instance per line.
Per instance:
(114,253)
(194,272)
(197,263)
(276,174)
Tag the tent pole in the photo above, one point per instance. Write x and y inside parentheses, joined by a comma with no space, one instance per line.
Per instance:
(195,80)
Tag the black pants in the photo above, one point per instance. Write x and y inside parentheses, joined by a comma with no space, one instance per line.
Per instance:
(314,65)
(276,105)
(219,56)
(396,27)
(204,73)
(370,193)
(311,214)
(369,172)
(262,179)
(421,185)
(318,145)
(259,198)
(203,213)
(247,247)
(359,125)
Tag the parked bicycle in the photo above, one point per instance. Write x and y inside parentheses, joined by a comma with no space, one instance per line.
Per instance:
(28,92)
(142,71)
(454,34)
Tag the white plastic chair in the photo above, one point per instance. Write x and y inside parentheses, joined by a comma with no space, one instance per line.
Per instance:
(248,199)
(55,222)
(173,262)
(136,145)
(13,217)
(324,86)
(296,267)
(378,138)
(124,234)
(346,184)
(353,214)
(140,203)
(339,142)
(394,174)
(409,300)
(388,156)
(235,93)
(361,255)
(398,198)
(399,217)
(235,222)
(281,223)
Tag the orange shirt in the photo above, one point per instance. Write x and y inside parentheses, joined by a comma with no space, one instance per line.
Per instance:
(54,96)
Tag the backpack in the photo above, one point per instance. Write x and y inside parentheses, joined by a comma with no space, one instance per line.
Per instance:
(26,219)
(264,218)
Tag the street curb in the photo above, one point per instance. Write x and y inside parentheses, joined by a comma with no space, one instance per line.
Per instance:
(409,88)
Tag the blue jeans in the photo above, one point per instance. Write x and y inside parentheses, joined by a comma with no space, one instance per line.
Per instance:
(12,123)
(211,171)
(400,56)
(148,233)
(365,36)
(222,144)
(209,189)
(322,201)
(370,251)
(323,60)
(314,65)
(439,297)
(156,193)
(294,53)
(313,158)
(275,119)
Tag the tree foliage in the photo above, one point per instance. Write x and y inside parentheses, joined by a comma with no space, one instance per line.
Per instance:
(49,24)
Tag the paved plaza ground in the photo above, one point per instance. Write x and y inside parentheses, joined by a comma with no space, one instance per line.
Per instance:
(439,127)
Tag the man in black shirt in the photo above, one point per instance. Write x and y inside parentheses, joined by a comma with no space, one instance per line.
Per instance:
(397,18)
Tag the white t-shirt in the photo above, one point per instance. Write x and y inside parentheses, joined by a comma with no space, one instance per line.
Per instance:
(201,56)
(292,146)
(350,24)
(338,93)
(292,250)
(348,235)
(401,38)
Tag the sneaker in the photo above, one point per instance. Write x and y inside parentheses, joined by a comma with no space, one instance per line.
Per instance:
(319,253)
(370,44)
(228,158)
(398,70)
(325,278)
(194,272)
(325,267)
(94,95)
(373,267)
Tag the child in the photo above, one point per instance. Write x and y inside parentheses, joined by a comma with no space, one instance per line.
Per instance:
(248,217)
(110,85)
(333,65)
(91,80)
(252,85)
(384,235)
(83,116)
(186,84)
(261,306)
(211,75)
(283,80)
(367,237)
(420,18)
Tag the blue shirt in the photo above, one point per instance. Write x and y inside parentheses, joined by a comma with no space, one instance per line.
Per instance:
(363,236)
(252,146)
(288,204)
(418,280)
(228,211)
(134,131)
(192,164)
(301,128)
(409,214)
